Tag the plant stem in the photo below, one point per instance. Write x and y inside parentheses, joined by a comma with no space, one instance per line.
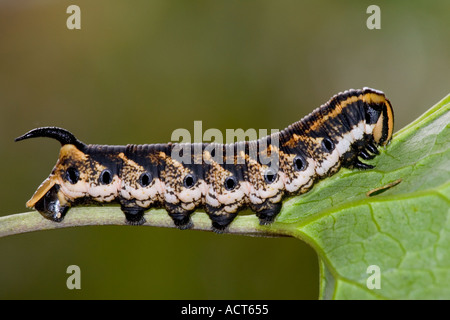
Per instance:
(247,225)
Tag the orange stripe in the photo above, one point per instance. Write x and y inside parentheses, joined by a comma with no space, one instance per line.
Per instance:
(390,114)
(370,97)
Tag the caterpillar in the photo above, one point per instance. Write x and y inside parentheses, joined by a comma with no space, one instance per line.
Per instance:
(221,179)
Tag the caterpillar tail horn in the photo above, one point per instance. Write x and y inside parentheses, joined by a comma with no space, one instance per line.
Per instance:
(59,134)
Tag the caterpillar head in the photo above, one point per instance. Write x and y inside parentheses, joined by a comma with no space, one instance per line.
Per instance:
(65,183)
(379,112)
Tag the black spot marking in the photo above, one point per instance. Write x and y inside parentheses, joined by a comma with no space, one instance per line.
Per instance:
(105,177)
(189,181)
(270,176)
(230,183)
(300,163)
(327,144)
(72,175)
(145,179)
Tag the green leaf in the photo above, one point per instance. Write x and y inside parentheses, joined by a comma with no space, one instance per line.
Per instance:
(403,228)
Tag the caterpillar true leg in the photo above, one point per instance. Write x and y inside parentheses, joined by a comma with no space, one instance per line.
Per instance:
(361,165)
(365,155)
(372,148)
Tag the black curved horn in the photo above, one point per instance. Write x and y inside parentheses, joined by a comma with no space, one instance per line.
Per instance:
(62,135)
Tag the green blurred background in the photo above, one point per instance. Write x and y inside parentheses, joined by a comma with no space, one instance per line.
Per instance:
(137,70)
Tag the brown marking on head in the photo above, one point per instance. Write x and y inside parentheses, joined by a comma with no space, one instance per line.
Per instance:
(384,128)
